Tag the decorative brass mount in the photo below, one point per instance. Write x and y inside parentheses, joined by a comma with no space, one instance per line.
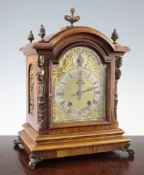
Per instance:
(114,36)
(30,36)
(42,33)
(71,18)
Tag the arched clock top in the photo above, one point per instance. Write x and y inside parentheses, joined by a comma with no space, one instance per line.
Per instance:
(99,38)
(77,35)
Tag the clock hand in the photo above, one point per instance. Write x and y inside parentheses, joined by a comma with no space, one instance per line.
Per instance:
(79,93)
(89,89)
(79,82)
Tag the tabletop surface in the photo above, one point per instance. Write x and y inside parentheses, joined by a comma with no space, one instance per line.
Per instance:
(15,162)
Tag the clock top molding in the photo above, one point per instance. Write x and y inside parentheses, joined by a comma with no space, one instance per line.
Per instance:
(76,34)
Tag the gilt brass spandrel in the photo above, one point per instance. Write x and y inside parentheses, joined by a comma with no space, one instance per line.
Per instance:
(67,64)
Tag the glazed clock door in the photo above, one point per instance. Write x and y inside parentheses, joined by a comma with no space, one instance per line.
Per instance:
(79,87)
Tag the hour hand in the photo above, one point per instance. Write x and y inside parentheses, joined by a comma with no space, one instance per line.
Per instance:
(78,93)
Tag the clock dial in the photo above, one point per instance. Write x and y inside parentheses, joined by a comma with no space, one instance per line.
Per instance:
(78,85)
(78,92)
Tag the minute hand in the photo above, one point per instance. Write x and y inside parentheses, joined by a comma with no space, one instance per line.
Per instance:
(79,93)
(89,89)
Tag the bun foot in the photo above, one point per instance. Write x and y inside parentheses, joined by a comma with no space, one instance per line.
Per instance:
(33,161)
(128,150)
(16,143)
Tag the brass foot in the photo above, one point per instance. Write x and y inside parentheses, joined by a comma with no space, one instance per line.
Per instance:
(128,150)
(34,160)
(16,143)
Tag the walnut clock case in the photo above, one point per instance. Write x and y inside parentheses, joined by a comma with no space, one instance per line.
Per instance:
(72,94)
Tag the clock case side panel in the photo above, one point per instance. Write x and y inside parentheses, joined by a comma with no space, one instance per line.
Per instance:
(34,120)
(31,118)
(43,92)
(104,52)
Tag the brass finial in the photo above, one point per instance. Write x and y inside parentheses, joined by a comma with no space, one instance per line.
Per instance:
(30,36)
(71,18)
(114,36)
(42,33)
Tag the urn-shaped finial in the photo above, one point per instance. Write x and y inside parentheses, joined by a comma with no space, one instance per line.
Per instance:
(114,36)
(72,18)
(30,36)
(42,33)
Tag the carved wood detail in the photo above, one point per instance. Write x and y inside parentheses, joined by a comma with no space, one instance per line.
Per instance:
(41,96)
(31,89)
(118,64)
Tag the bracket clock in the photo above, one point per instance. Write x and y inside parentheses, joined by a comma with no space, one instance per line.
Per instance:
(72,100)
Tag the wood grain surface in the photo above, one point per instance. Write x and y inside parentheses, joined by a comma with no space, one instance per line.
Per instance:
(14,162)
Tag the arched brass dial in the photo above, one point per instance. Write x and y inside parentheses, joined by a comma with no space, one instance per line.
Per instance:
(78,86)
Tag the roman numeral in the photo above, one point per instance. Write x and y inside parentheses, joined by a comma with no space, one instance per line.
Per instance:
(70,75)
(62,103)
(69,111)
(97,92)
(62,82)
(59,93)
(94,102)
(95,82)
